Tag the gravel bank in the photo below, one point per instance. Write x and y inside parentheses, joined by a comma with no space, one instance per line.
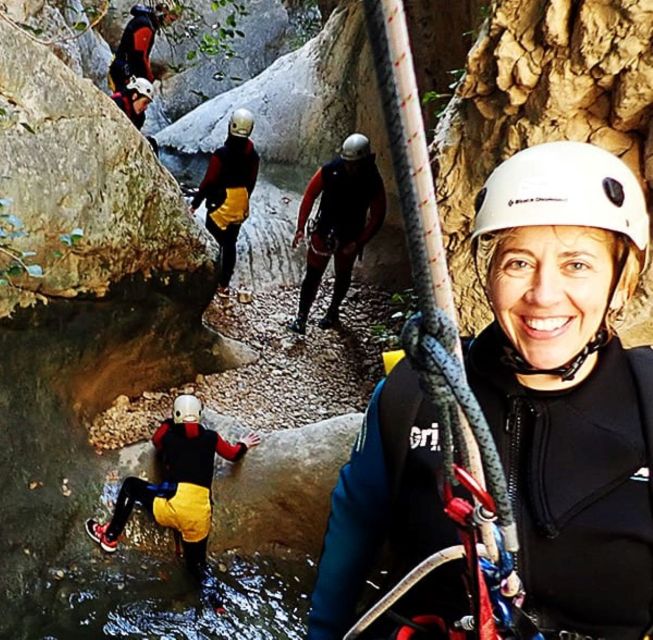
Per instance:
(296,380)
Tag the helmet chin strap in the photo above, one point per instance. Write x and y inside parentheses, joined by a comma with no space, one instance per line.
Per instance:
(513,359)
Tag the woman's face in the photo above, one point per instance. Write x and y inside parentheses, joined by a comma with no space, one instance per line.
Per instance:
(548,287)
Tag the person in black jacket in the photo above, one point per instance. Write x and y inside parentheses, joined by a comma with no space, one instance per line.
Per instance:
(183,500)
(350,186)
(227,186)
(560,238)
(132,58)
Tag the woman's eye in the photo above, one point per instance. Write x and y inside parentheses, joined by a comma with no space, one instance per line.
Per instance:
(516,265)
(577,266)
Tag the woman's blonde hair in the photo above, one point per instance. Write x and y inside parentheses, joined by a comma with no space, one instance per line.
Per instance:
(626,263)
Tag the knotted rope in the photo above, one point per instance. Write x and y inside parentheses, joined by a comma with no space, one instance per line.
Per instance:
(443,380)
(398,87)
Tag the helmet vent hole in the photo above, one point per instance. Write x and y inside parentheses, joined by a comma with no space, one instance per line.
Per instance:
(480,199)
(614,191)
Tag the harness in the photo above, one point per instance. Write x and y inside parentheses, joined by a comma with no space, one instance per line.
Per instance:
(345,199)
(398,411)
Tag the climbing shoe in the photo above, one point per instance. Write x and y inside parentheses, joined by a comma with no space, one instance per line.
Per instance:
(223,292)
(329,321)
(298,325)
(98,533)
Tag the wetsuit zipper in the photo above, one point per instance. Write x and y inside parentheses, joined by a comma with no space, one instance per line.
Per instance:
(513,428)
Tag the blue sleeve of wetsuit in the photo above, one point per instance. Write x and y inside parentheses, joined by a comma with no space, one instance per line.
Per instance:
(355,532)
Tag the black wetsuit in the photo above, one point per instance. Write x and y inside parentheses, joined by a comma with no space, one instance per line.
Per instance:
(235,164)
(132,57)
(342,221)
(579,462)
(187,452)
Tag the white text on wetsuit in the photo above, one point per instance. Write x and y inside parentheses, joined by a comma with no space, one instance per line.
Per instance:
(421,438)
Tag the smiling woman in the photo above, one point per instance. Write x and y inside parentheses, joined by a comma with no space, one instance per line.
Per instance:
(559,252)
(559,240)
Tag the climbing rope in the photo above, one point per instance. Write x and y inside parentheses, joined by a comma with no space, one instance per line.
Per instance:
(433,340)
(410,580)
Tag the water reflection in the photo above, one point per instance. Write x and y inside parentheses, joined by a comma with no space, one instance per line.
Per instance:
(135,597)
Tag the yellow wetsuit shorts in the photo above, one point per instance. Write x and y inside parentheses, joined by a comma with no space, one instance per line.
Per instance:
(233,210)
(188,511)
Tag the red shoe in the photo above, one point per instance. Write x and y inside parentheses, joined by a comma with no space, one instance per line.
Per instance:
(97,533)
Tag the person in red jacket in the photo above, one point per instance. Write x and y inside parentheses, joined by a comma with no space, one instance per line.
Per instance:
(132,57)
(183,500)
(227,186)
(134,100)
(350,186)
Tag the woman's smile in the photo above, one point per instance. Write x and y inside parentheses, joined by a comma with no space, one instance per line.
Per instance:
(549,289)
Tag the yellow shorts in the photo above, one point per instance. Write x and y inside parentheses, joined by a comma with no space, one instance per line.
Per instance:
(233,210)
(188,511)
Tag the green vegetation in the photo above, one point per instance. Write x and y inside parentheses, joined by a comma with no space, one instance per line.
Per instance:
(15,263)
(387,333)
(210,37)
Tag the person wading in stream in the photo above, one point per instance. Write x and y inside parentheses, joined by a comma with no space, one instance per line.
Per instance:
(132,57)
(350,186)
(183,500)
(227,186)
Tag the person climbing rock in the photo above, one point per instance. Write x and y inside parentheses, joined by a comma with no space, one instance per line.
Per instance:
(351,186)
(183,500)
(227,186)
(132,58)
(134,100)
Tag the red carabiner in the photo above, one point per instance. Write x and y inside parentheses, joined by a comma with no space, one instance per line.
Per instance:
(471,484)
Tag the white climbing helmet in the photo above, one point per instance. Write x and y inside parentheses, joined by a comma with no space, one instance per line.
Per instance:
(142,86)
(564,183)
(355,147)
(241,123)
(187,408)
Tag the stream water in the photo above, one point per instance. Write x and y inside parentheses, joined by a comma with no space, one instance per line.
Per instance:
(134,595)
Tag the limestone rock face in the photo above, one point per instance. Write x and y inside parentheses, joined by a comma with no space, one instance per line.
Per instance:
(298,118)
(86,53)
(280,492)
(71,160)
(539,73)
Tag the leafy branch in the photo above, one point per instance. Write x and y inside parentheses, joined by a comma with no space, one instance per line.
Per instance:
(388,332)
(210,39)
(12,229)
(94,15)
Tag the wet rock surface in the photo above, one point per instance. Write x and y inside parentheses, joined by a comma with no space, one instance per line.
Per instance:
(296,380)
